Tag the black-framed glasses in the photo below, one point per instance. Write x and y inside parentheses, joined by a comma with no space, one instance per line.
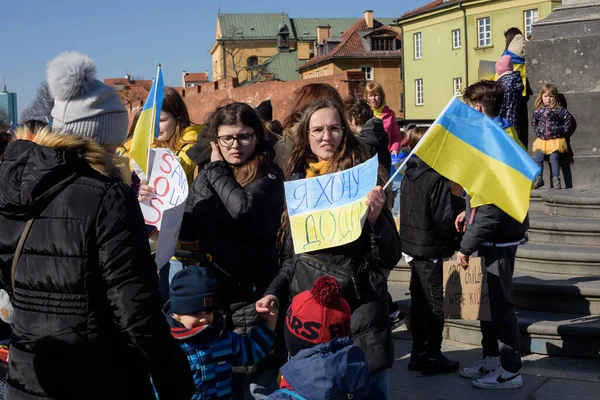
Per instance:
(318,131)
(243,139)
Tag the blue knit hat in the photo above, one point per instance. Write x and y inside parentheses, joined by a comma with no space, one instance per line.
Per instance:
(193,289)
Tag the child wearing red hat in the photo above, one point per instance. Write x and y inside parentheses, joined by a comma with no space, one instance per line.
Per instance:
(324,363)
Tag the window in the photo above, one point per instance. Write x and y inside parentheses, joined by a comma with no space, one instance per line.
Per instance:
(457,85)
(401,102)
(310,75)
(368,70)
(484,31)
(382,44)
(419,92)
(456,39)
(401,71)
(530,16)
(252,61)
(418,44)
(325,71)
(317,73)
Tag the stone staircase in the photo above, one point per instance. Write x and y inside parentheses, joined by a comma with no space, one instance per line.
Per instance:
(557,278)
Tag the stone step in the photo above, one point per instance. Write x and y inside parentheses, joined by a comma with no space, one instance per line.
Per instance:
(559,230)
(558,334)
(556,293)
(535,200)
(558,259)
(401,273)
(581,203)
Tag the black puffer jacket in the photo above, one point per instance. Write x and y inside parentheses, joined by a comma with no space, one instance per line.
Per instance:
(490,224)
(237,230)
(376,140)
(357,268)
(87,321)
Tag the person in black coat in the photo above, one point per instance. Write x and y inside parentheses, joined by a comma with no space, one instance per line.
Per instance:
(87,320)
(370,131)
(428,236)
(234,210)
(325,144)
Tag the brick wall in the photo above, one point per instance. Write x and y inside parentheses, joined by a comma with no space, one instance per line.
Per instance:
(203,99)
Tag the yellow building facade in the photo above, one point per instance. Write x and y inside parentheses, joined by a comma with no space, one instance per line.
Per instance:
(243,41)
(445,41)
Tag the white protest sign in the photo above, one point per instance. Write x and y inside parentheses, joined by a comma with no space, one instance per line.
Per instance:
(165,209)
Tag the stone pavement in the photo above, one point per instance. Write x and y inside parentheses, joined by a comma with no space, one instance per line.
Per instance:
(544,377)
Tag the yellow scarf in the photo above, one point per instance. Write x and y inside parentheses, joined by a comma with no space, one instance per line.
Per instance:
(316,169)
(378,112)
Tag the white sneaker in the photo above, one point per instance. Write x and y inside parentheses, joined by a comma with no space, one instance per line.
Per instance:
(500,379)
(481,368)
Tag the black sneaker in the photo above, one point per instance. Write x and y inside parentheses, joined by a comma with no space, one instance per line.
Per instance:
(439,365)
(397,321)
(538,182)
(416,361)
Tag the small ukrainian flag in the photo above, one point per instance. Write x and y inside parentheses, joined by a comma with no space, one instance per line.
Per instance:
(469,148)
(147,127)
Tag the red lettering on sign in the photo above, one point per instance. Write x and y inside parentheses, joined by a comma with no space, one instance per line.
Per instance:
(166,158)
(166,185)
(158,212)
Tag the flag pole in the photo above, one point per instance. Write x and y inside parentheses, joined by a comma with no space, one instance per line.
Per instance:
(419,144)
(153,126)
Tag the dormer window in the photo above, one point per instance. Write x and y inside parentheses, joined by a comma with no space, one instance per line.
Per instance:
(382,44)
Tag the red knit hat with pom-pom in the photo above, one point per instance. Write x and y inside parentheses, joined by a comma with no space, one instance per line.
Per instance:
(317,316)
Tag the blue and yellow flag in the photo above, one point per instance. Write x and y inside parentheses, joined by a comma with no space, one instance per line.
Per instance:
(147,127)
(518,65)
(469,148)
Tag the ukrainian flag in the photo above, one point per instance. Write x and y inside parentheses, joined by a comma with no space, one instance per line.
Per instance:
(147,127)
(469,148)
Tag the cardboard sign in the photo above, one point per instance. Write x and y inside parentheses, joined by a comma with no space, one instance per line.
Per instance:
(329,210)
(466,294)
(165,209)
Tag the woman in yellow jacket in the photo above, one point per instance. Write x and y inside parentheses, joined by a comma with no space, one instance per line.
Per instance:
(178,134)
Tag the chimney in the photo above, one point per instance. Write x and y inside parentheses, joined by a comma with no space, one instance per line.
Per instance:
(368,15)
(183,74)
(323,32)
(128,77)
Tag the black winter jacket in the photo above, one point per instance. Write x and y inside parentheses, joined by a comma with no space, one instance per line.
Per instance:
(357,267)
(426,215)
(490,224)
(237,231)
(87,321)
(376,140)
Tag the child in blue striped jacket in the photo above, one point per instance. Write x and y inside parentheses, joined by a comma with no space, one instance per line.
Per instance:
(211,349)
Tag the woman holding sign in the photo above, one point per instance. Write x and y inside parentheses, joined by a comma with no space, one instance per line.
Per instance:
(324,145)
(234,208)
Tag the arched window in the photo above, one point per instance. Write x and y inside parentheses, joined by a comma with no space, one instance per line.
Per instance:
(252,61)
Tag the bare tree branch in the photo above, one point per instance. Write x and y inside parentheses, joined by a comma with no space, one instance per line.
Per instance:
(41,106)
(4,117)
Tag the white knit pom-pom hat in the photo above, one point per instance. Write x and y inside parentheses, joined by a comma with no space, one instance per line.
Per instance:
(83,105)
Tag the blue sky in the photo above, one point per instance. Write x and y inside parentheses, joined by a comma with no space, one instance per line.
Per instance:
(132,36)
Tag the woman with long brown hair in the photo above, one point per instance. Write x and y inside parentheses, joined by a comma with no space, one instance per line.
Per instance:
(234,210)
(325,144)
(305,96)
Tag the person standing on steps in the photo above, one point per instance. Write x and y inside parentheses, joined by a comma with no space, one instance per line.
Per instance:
(495,237)
(428,237)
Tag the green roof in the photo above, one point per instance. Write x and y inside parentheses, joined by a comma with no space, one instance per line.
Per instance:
(306,28)
(251,26)
(264,26)
(285,66)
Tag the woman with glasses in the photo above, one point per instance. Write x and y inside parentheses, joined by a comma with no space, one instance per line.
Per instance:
(325,144)
(234,208)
